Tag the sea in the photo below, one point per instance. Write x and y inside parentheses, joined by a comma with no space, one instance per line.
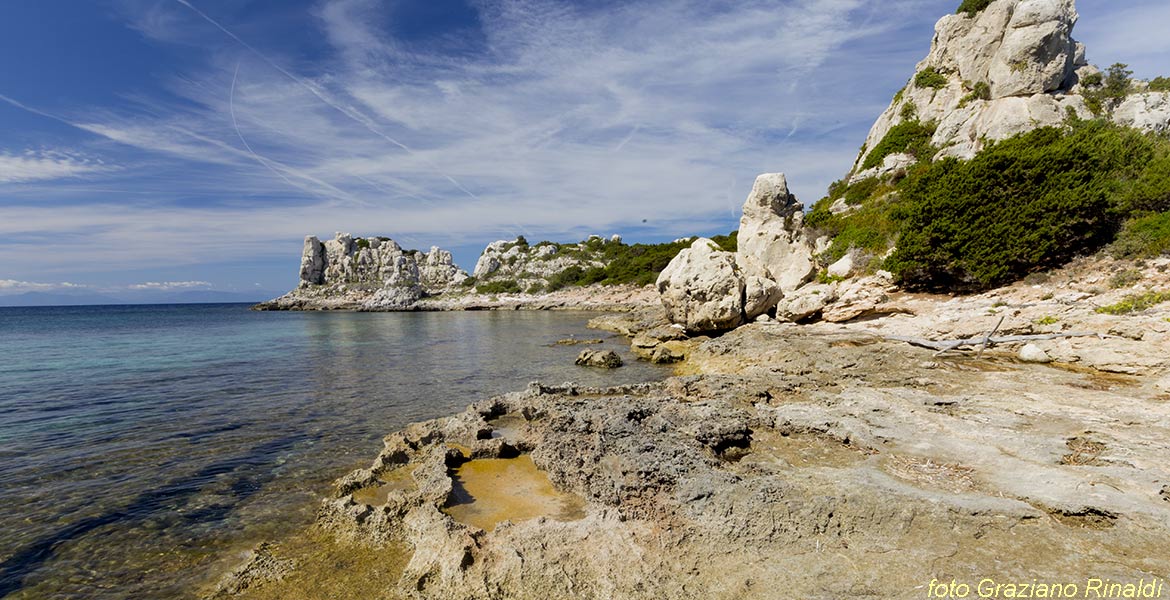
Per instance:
(142,447)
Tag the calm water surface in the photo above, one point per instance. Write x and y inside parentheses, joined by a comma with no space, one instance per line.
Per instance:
(140,447)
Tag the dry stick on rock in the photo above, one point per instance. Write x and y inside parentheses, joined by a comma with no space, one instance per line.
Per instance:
(987,338)
(945,345)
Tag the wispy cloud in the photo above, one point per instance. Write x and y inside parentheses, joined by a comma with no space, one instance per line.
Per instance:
(552,119)
(171,285)
(12,286)
(46,165)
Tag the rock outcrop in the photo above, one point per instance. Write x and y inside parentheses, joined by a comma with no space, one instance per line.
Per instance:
(707,289)
(367,274)
(1006,70)
(772,243)
(535,265)
(602,359)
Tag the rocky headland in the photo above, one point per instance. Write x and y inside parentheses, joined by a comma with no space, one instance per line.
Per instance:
(834,428)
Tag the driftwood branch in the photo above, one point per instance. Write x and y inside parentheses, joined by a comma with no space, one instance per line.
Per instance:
(989,340)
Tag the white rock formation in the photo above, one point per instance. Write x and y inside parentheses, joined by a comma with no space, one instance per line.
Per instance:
(1149,112)
(1021,50)
(370,273)
(702,289)
(772,240)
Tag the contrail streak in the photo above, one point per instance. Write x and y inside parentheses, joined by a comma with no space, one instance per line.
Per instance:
(353,114)
(268,162)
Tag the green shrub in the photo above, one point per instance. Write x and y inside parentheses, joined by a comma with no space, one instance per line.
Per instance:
(1135,303)
(1160,84)
(930,78)
(1020,205)
(1047,320)
(973,7)
(911,137)
(470,281)
(362,243)
(1124,279)
(909,111)
(535,288)
(1143,237)
(979,91)
(729,242)
(503,286)
(859,192)
(871,227)
(1105,90)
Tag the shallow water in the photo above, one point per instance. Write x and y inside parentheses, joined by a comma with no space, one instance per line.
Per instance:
(140,446)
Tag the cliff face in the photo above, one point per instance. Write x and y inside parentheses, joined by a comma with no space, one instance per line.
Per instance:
(1006,70)
(368,274)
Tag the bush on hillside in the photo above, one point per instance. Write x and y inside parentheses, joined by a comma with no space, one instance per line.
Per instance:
(503,286)
(930,78)
(973,7)
(1024,204)
(911,137)
(1160,84)
(1143,237)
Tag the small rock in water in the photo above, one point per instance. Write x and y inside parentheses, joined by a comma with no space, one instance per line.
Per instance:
(606,359)
(1031,353)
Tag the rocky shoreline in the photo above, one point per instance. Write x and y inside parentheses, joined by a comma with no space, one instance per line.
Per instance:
(598,298)
(824,459)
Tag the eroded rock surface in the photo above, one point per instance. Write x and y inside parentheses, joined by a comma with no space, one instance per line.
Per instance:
(794,451)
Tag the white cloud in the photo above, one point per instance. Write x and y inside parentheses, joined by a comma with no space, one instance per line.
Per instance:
(566,121)
(12,286)
(45,165)
(170,285)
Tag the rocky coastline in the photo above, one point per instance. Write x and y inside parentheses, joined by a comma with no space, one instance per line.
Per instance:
(826,434)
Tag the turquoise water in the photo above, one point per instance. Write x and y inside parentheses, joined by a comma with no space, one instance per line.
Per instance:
(141,447)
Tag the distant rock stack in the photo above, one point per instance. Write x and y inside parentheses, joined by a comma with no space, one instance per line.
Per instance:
(367,274)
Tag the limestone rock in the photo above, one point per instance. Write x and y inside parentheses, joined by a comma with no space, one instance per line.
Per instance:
(842,268)
(1022,50)
(605,359)
(806,302)
(367,274)
(1149,112)
(313,262)
(701,288)
(772,241)
(760,296)
(1036,54)
(1031,353)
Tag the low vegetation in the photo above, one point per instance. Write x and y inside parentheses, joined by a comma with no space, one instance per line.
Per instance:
(1160,84)
(1020,206)
(1136,303)
(979,91)
(911,137)
(973,7)
(930,78)
(1103,92)
(502,286)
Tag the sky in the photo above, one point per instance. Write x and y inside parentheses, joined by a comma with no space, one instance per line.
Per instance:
(183,146)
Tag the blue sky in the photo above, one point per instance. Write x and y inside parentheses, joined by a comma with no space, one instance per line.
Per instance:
(164,145)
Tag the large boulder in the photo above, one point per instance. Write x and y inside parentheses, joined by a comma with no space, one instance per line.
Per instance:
(702,289)
(772,241)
